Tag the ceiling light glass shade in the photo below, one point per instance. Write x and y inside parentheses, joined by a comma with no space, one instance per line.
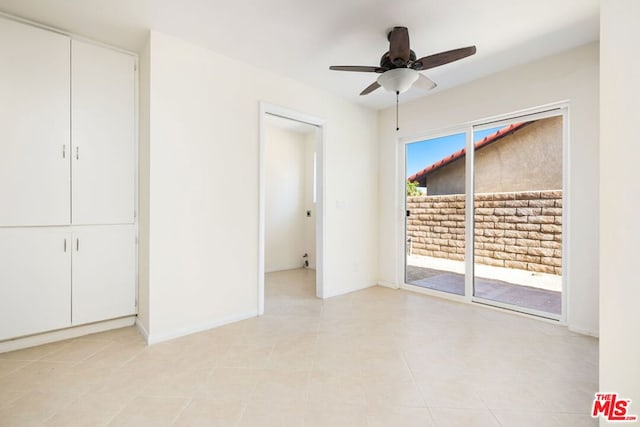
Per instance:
(398,79)
(424,82)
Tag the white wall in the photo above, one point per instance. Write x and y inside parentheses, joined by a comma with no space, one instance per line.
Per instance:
(571,75)
(143,190)
(619,201)
(286,193)
(203,225)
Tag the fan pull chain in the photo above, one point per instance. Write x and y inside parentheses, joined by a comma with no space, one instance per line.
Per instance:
(397,126)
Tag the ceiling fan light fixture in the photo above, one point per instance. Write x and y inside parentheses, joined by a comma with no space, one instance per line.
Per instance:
(398,80)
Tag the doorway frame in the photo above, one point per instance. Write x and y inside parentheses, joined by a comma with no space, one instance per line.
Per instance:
(561,108)
(320,124)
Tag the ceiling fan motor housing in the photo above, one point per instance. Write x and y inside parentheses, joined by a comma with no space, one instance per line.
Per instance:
(388,64)
(399,49)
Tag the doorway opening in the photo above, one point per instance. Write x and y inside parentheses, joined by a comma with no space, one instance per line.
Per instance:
(484,213)
(291,195)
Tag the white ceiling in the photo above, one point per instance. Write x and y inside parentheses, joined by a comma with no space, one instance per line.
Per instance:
(301,38)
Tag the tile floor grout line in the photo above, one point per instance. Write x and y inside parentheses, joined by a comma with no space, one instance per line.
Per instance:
(110,420)
(6,374)
(496,418)
(413,379)
(180,412)
(242,413)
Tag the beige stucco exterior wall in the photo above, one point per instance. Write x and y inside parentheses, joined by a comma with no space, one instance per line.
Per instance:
(528,159)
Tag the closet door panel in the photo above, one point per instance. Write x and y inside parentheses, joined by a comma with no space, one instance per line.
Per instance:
(35,281)
(34,126)
(104,285)
(103,135)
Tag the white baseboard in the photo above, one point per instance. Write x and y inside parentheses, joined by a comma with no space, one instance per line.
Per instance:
(142,330)
(273,269)
(65,334)
(582,331)
(345,291)
(180,332)
(388,284)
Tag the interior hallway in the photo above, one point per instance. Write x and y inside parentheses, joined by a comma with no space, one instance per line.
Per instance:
(378,357)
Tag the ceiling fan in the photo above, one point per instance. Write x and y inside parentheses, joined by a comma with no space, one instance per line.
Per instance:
(399,68)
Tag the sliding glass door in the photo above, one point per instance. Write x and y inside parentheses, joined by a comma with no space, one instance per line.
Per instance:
(518,189)
(435,221)
(513,171)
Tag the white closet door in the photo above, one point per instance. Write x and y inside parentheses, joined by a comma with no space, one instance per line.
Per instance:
(104,285)
(103,135)
(35,281)
(34,126)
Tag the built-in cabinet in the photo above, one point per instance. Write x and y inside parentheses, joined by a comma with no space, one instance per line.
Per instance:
(56,277)
(67,181)
(103,273)
(35,280)
(35,97)
(102,135)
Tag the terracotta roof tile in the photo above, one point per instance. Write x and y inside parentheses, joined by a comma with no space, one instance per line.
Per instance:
(418,176)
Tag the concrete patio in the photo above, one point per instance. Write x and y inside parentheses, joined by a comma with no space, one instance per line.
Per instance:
(537,291)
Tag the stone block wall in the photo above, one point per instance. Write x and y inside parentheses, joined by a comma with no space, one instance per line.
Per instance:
(520,230)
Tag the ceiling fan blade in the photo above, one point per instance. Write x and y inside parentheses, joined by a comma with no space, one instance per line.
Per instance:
(442,58)
(399,51)
(360,68)
(424,82)
(373,86)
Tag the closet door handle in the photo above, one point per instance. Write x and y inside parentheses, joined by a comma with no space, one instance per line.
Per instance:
(64,151)
(77,244)
(77,152)
(65,245)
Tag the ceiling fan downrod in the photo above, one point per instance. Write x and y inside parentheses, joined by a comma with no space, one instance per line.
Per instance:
(397,96)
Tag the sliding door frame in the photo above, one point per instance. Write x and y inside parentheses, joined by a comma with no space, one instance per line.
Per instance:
(545,111)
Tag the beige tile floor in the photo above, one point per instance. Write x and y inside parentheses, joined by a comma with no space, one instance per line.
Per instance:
(377,357)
